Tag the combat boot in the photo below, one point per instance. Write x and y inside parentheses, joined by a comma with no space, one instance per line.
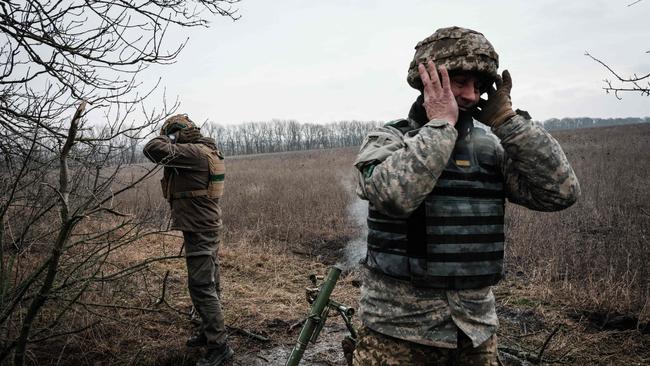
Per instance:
(197,340)
(216,356)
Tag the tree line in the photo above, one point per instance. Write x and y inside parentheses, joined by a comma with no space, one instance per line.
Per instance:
(286,135)
(290,135)
(585,122)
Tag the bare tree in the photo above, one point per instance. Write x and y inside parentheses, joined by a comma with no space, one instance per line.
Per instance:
(65,209)
(633,83)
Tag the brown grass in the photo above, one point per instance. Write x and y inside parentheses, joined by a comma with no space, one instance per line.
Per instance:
(285,217)
(291,199)
(595,254)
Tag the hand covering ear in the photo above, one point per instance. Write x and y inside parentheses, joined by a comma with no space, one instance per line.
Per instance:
(498,106)
(188,135)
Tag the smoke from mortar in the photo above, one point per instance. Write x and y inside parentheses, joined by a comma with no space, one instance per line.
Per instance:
(355,249)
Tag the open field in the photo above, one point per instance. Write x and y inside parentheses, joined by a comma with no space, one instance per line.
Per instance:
(577,282)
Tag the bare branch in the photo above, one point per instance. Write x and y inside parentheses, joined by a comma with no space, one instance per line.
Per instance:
(626,82)
(59,169)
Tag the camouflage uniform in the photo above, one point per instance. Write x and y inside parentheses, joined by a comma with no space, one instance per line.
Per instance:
(398,167)
(199,218)
(375,348)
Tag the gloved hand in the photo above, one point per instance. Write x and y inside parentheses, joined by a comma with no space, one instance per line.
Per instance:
(188,135)
(171,128)
(498,106)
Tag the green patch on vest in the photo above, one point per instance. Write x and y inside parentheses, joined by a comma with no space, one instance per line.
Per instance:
(367,171)
(217,177)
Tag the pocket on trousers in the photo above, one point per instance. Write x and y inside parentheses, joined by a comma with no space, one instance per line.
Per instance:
(200,270)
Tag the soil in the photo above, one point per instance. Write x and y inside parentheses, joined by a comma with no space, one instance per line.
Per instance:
(326,351)
(531,328)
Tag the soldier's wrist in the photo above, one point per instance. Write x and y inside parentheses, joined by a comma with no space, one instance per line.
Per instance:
(510,127)
(439,122)
(502,118)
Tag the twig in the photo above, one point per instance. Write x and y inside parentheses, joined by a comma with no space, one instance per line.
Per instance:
(121,307)
(299,252)
(164,289)
(64,333)
(163,300)
(109,210)
(548,339)
(264,358)
(636,2)
(248,334)
(296,325)
(522,356)
(140,266)
(180,312)
(620,78)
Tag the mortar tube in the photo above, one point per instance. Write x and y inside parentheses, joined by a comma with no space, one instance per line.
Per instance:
(312,321)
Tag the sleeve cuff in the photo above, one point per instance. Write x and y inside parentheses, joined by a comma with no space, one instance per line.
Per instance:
(510,126)
(438,123)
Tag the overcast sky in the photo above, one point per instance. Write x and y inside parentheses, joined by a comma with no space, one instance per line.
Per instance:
(324,61)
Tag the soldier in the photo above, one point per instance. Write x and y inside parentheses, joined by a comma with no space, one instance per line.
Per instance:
(436,185)
(193,183)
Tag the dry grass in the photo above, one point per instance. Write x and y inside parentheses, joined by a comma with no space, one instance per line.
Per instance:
(292,199)
(286,217)
(529,315)
(595,254)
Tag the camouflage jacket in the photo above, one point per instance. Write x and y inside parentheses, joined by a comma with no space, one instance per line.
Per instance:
(189,168)
(397,171)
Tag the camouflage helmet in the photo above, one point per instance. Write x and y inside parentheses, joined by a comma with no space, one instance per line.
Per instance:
(175,123)
(459,49)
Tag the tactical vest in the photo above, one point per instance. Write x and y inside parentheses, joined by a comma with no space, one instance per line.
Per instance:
(454,239)
(216,176)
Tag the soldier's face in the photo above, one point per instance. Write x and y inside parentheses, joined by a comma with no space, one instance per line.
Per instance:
(466,89)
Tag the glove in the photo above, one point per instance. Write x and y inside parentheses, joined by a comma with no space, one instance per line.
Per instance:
(188,135)
(498,106)
(170,128)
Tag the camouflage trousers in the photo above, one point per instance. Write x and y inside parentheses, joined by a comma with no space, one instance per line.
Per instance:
(203,283)
(376,349)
